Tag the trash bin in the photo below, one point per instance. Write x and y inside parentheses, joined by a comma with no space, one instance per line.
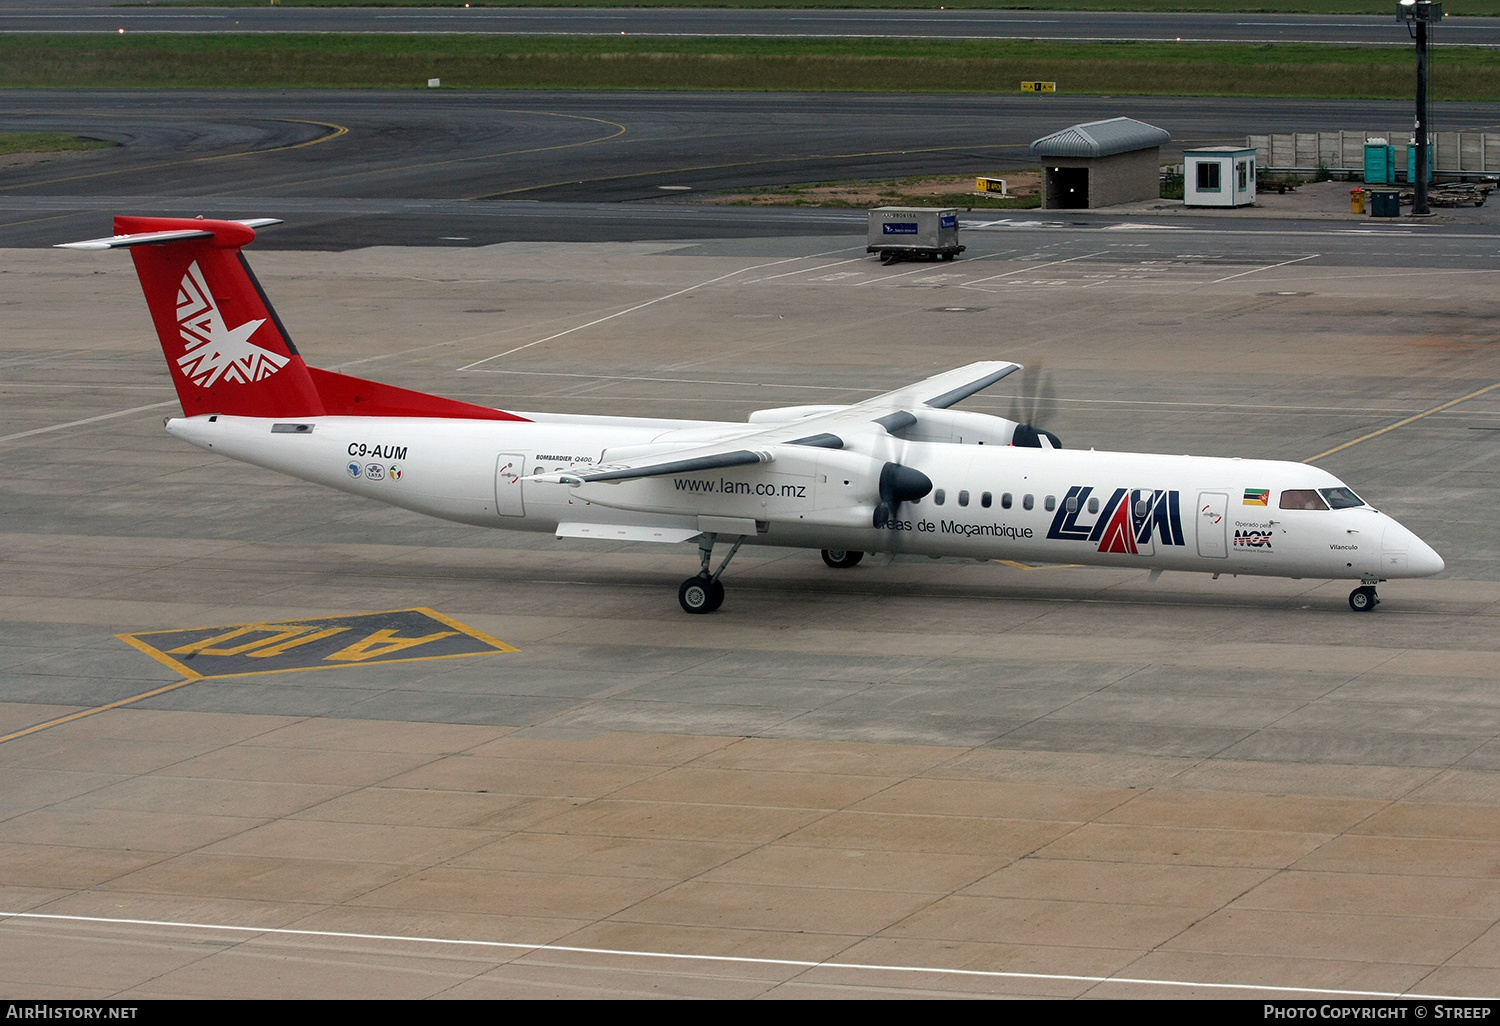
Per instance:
(1385,203)
(1356,201)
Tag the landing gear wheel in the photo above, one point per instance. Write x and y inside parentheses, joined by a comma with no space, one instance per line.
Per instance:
(841,560)
(700,595)
(1364,599)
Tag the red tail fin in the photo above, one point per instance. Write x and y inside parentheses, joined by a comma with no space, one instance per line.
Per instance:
(226,348)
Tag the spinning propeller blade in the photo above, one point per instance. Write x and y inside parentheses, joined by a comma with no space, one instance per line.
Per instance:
(1030,406)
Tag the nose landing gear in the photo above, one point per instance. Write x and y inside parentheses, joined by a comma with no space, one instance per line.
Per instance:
(1363,599)
(841,560)
(704,593)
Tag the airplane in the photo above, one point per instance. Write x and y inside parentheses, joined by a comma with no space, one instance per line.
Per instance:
(901,473)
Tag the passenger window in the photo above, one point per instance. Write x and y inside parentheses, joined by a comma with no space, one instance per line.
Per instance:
(1094,505)
(938,497)
(963,498)
(984,500)
(1301,498)
(1072,503)
(1005,500)
(1026,502)
(1051,503)
(1341,498)
(1141,506)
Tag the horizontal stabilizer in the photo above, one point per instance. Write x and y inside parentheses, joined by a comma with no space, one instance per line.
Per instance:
(138,239)
(129,239)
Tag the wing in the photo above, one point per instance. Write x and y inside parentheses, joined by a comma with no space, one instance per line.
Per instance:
(890,411)
(688,461)
(943,390)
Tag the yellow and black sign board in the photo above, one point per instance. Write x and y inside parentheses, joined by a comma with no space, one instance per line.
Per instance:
(1038,87)
(321,643)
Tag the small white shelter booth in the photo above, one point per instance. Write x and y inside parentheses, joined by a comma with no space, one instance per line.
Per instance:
(1218,176)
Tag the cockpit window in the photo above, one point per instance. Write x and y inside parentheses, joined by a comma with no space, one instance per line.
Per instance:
(1341,498)
(1302,498)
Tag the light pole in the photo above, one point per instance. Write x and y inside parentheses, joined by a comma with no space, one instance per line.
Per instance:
(1417,15)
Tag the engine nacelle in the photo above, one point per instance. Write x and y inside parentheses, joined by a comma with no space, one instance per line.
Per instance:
(957,427)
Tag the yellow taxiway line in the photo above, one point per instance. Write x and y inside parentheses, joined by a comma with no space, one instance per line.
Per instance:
(1403,423)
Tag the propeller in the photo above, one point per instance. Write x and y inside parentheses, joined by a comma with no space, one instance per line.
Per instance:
(899,484)
(1028,408)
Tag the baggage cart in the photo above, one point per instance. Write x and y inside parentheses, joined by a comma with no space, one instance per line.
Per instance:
(914,233)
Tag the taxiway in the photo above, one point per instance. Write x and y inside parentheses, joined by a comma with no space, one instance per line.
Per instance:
(933,777)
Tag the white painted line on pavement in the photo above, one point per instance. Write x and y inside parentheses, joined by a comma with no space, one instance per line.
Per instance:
(790,963)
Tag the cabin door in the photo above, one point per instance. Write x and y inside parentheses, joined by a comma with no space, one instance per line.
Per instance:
(510,469)
(1213,524)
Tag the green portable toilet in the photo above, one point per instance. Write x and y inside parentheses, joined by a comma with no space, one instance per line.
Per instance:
(1380,162)
(1411,162)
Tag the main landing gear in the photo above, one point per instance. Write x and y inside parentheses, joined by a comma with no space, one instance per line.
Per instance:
(704,593)
(841,560)
(1363,599)
(701,594)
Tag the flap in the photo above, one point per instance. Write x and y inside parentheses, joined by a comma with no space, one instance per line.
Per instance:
(627,532)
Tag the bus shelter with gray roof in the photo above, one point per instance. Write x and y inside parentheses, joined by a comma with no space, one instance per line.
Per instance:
(1100,163)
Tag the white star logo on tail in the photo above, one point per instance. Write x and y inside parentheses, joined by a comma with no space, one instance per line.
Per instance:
(212,350)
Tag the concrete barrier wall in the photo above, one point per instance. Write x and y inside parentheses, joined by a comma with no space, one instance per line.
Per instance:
(1344,151)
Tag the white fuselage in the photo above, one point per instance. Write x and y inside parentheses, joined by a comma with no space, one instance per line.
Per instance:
(990,501)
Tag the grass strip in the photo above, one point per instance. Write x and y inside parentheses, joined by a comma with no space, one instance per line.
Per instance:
(46,142)
(961,200)
(144,60)
(1482,8)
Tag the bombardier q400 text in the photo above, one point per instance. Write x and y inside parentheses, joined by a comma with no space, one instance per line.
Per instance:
(900,473)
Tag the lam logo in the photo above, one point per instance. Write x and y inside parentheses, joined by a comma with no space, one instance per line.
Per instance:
(1132,521)
(212,350)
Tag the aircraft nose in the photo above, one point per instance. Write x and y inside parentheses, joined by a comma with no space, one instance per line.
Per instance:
(1406,555)
(1422,560)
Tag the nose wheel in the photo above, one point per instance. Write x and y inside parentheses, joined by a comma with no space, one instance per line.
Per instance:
(703,593)
(1363,599)
(841,560)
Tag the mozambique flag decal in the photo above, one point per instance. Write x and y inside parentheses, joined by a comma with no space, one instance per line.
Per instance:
(1257,496)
